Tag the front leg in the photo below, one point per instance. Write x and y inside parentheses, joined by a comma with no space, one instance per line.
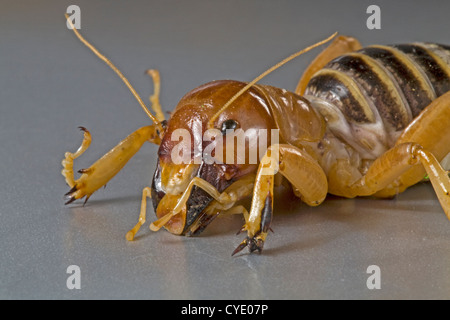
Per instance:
(105,168)
(225,199)
(307,178)
(111,163)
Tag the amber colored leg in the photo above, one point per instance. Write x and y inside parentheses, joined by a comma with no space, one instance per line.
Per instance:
(223,198)
(430,129)
(154,99)
(307,178)
(67,162)
(237,210)
(146,192)
(384,175)
(418,151)
(338,47)
(107,166)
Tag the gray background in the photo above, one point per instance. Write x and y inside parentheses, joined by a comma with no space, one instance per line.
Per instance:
(50,84)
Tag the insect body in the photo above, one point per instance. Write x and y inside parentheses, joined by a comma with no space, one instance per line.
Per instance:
(370,96)
(362,122)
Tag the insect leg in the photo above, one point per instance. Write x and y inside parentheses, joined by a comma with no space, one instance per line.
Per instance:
(425,141)
(146,192)
(107,166)
(304,174)
(338,47)
(154,99)
(238,190)
(430,129)
(67,162)
(222,198)
(387,175)
(238,210)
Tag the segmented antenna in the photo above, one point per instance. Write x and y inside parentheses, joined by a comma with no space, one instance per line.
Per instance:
(265,73)
(117,71)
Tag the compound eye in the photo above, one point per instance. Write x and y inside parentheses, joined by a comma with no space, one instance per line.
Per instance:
(228,124)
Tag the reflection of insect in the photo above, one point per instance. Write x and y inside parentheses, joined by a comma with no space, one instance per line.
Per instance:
(371,121)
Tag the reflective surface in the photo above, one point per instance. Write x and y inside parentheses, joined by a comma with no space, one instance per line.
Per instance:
(50,84)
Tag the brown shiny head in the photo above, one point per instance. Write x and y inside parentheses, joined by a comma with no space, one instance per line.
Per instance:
(185,136)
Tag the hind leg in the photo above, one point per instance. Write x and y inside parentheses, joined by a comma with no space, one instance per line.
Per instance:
(146,192)
(418,151)
(154,98)
(338,47)
(67,163)
(112,162)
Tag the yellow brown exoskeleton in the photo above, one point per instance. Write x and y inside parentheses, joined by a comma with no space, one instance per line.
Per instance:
(361,122)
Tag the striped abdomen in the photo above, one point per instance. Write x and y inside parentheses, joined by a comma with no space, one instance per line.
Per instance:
(369,96)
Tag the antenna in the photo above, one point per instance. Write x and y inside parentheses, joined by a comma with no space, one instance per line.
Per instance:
(112,66)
